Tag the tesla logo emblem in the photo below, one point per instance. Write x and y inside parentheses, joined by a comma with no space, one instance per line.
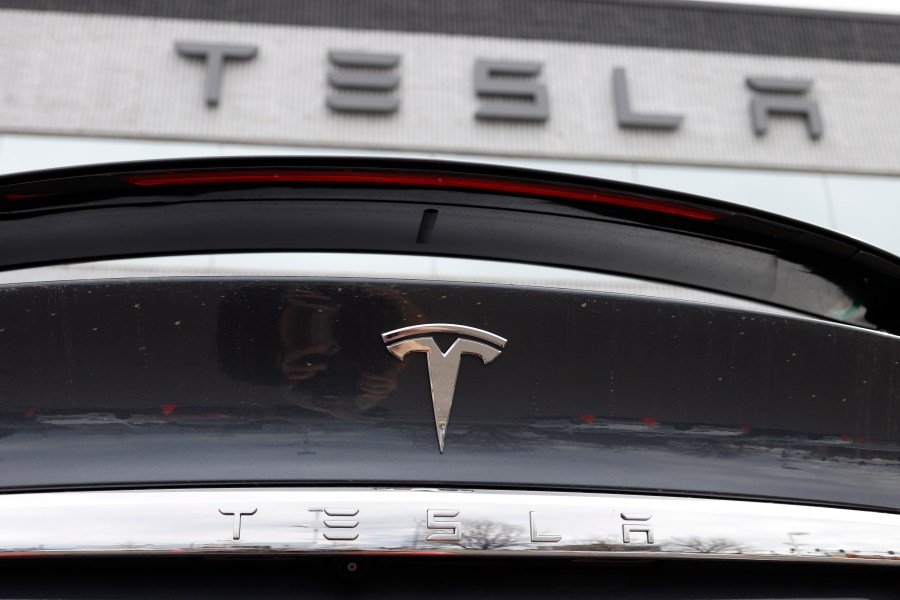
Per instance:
(443,367)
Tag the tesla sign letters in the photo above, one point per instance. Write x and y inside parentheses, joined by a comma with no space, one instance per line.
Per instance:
(508,90)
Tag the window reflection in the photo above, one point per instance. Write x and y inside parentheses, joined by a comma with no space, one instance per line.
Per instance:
(373,266)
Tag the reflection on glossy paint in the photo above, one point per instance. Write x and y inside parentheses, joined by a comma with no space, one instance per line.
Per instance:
(289,380)
(325,351)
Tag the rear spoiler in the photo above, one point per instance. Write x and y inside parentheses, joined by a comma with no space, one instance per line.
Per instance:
(443,209)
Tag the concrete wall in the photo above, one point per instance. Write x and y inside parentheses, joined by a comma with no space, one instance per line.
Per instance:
(103,82)
(109,75)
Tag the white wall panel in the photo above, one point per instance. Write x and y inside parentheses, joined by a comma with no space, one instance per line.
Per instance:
(120,76)
(30,152)
(867,208)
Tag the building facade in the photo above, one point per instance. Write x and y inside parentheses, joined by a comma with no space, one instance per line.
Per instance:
(787,111)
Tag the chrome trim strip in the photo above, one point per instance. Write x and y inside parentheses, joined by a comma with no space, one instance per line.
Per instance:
(431,521)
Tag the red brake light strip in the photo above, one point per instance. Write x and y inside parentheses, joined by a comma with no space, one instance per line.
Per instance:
(424,180)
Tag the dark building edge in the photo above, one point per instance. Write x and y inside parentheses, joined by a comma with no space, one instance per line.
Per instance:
(671,24)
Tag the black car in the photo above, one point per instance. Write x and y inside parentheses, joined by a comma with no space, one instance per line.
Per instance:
(259,435)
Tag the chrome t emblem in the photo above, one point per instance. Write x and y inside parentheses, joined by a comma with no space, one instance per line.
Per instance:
(443,367)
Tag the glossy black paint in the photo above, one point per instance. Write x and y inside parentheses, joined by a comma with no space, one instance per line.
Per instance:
(84,213)
(196,381)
